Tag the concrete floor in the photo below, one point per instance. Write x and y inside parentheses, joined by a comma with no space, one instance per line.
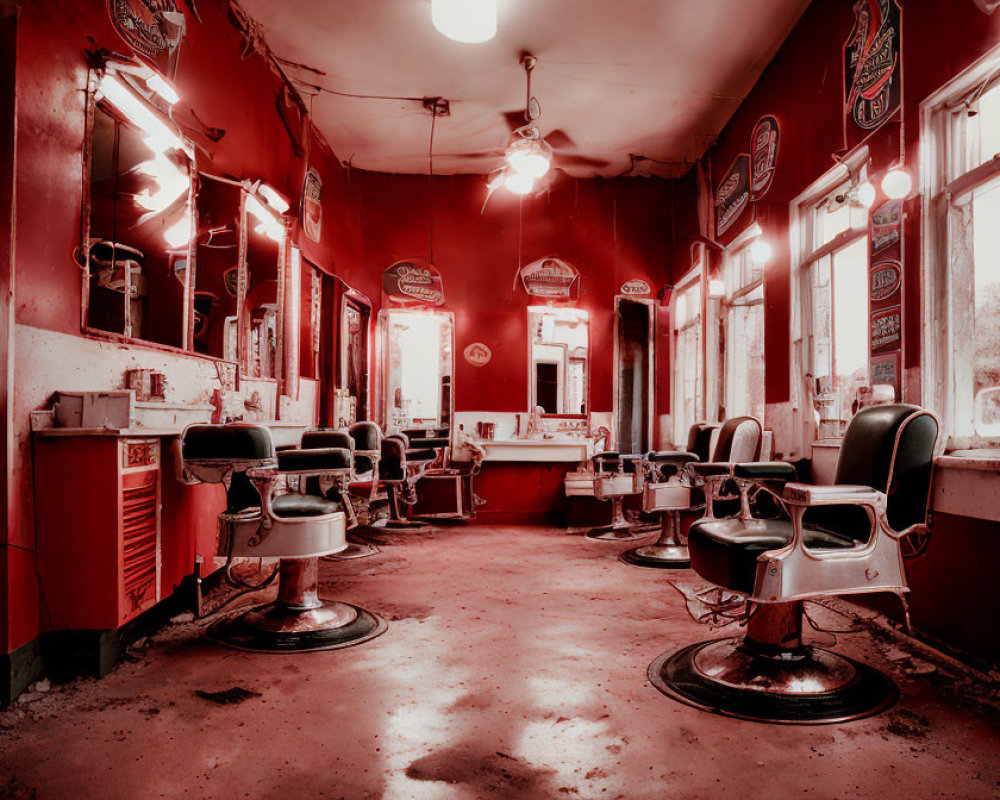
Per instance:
(514,667)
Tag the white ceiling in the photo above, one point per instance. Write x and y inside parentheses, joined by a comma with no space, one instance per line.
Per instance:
(658,78)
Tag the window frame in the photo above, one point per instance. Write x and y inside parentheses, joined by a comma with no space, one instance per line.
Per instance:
(732,256)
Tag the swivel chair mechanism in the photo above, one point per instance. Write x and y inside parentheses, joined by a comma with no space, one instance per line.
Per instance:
(404,462)
(672,487)
(297,529)
(616,476)
(838,540)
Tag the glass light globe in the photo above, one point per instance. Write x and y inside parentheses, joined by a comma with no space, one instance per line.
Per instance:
(529,157)
(469,21)
(519,183)
(897,183)
(760,252)
(866,194)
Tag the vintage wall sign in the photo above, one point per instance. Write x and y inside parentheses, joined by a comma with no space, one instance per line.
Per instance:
(636,286)
(886,225)
(886,330)
(413,283)
(152,28)
(885,279)
(733,194)
(871,65)
(478,354)
(885,369)
(763,156)
(312,209)
(231,279)
(549,277)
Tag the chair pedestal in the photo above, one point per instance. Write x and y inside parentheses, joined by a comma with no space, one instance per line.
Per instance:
(666,552)
(298,620)
(396,520)
(769,675)
(620,529)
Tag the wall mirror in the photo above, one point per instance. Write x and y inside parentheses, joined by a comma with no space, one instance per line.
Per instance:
(419,363)
(558,368)
(216,271)
(137,218)
(261,319)
(355,315)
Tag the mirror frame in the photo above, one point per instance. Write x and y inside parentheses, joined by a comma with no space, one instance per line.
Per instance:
(651,367)
(531,374)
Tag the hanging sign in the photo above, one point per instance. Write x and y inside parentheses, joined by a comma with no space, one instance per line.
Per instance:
(312,209)
(549,277)
(152,28)
(871,68)
(763,156)
(413,283)
(478,354)
(885,280)
(733,194)
(635,286)
(886,329)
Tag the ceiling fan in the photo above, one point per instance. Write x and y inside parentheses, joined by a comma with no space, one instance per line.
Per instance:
(529,155)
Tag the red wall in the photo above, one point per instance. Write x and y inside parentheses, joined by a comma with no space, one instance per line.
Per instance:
(611,230)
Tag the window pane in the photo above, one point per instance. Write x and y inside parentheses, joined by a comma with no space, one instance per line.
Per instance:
(986,294)
(851,308)
(745,361)
(833,221)
(988,120)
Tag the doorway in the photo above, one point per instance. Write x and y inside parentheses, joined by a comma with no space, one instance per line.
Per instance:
(633,384)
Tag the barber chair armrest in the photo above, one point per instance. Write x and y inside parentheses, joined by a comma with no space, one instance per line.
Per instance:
(805,494)
(764,471)
(675,457)
(711,468)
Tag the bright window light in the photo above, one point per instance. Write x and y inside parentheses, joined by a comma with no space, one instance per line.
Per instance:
(866,194)
(469,21)
(171,181)
(760,252)
(179,234)
(137,112)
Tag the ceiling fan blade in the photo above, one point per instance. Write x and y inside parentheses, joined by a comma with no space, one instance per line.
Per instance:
(558,138)
(514,119)
(574,160)
(495,153)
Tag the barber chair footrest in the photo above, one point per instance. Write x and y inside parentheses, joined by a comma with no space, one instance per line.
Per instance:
(657,556)
(354,550)
(403,525)
(278,628)
(619,533)
(816,687)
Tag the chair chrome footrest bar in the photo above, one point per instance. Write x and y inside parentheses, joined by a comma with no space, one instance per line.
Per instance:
(657,556)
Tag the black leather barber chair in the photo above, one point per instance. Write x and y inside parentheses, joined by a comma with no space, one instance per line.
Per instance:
(297,529)
(838,540)
(672,487)
(337,492)
(616,476)
(404,462)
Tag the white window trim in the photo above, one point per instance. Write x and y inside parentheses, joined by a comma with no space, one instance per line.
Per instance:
(937,362)
(803,426)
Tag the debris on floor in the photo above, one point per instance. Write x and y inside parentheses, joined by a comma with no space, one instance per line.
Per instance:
(227,697)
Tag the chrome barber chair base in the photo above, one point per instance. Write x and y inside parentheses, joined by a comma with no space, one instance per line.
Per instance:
(609,533)
(354,550)
(813,687)
(402,525)
(657,556)
(276,628)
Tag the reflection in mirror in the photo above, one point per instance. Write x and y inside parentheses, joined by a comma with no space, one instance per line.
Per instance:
(309,320)
(354,353)
(419,369)
(217,267)
(264,237)
(139,220)
(558,368)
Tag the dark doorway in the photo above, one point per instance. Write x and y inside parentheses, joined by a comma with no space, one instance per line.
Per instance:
(634,328)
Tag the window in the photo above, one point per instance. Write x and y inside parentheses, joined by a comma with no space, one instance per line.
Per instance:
(688,401)
(830,325)
(961,274)
(744,330)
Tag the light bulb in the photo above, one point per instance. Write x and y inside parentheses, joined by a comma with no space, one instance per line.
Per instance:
(115,92)
(530,157)
(162,88)
(519,183)
(897,183)
(470,21)
(180,233)
(866,194)
(760,252)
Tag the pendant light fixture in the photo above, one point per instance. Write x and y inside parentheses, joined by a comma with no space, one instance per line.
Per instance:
(897,183)
(469,21)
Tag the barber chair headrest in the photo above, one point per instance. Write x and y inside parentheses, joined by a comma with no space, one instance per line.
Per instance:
(366,435)
(700,440)
(392,465)
(327,438)
(317,459)
(739,440)
(210,452)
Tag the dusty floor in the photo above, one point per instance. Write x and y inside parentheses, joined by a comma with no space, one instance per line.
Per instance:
(514,667)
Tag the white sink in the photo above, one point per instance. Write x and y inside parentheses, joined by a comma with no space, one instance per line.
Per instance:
(160,415)
(545,450)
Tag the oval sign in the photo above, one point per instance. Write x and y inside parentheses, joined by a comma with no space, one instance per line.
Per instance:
(635,286)
(885,279)
(478,354)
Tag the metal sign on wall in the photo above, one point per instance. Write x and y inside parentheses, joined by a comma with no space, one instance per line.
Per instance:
(763,156)
(312,208)
(885,280)
(413,282)
(549,277)
(636,286)
(872,75)
(733,194)
(152,28)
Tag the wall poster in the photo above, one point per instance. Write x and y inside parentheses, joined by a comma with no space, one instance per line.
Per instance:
(733,194)
(763,156)
(872,74)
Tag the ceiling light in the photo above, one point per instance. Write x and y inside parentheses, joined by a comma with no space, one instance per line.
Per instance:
(470,21)
(519,183)
(897,183)
(162,88)
(273,198)
(866,194)
(529,157)
(179,234)
(136,111)
(760,252)
(171,181)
